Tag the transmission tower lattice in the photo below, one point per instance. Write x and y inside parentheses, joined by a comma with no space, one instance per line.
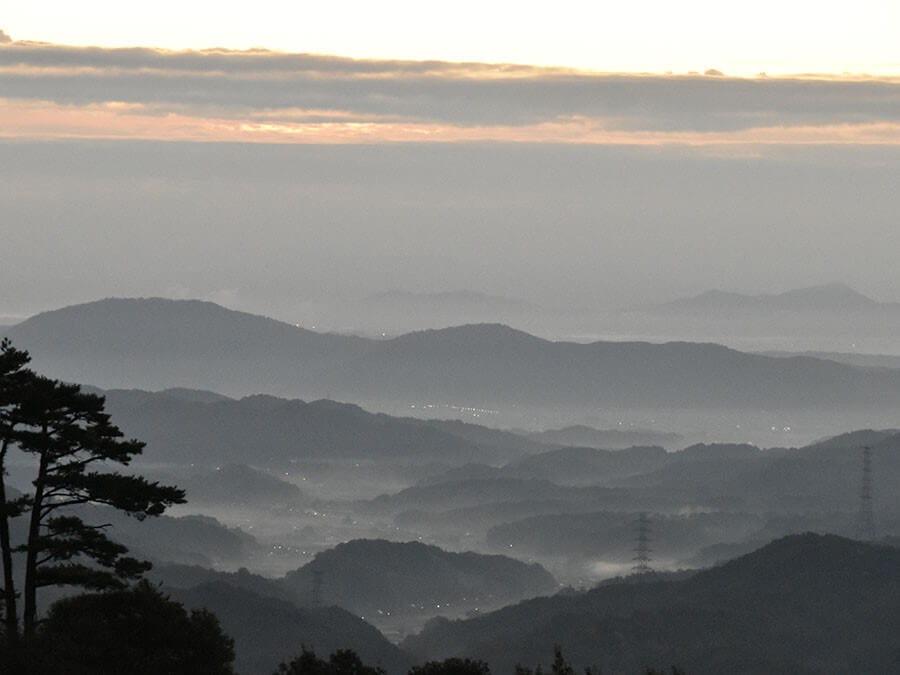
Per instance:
(865,526)
(642,545)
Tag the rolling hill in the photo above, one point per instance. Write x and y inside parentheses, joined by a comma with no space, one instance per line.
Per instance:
(267,630)
(831,298)
(830,318)
(155,343)
(801,604)
(378,577)
(608,439)
(259,430)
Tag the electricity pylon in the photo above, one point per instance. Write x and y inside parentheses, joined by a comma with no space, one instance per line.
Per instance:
(642,545)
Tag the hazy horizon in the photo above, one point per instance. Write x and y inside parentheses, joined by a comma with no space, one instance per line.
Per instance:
(288,183)
(274,229)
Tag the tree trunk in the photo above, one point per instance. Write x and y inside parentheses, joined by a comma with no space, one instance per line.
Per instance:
(11,618)
(29,615)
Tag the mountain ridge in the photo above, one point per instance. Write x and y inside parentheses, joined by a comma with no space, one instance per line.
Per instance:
(824,297)
(158,344)
(759,613)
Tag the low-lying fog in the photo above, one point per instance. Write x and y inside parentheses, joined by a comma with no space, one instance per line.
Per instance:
(765,428)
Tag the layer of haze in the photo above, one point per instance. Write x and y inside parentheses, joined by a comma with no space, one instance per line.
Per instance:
(275,229)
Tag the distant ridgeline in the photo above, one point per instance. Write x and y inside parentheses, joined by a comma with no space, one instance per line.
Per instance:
(822,477)
(241,447)
(198,427)
(156,343)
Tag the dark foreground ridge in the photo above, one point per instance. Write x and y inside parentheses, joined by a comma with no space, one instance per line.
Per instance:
(266,629)
(804,603)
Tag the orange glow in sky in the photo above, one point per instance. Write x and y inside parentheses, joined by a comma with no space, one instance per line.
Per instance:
(39,119)
(571,84)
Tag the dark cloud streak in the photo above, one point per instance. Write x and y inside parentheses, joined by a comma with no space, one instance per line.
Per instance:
(460,94)
(230,61)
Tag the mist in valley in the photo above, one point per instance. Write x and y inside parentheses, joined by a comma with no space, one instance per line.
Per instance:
(463,367)
(477,467)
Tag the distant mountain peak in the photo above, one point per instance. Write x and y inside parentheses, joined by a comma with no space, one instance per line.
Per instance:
(471,332)
(146,308)
(195,395)
(835,292)
(825,297)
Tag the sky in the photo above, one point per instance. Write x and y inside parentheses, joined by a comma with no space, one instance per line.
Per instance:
(574,155)
(773,36)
